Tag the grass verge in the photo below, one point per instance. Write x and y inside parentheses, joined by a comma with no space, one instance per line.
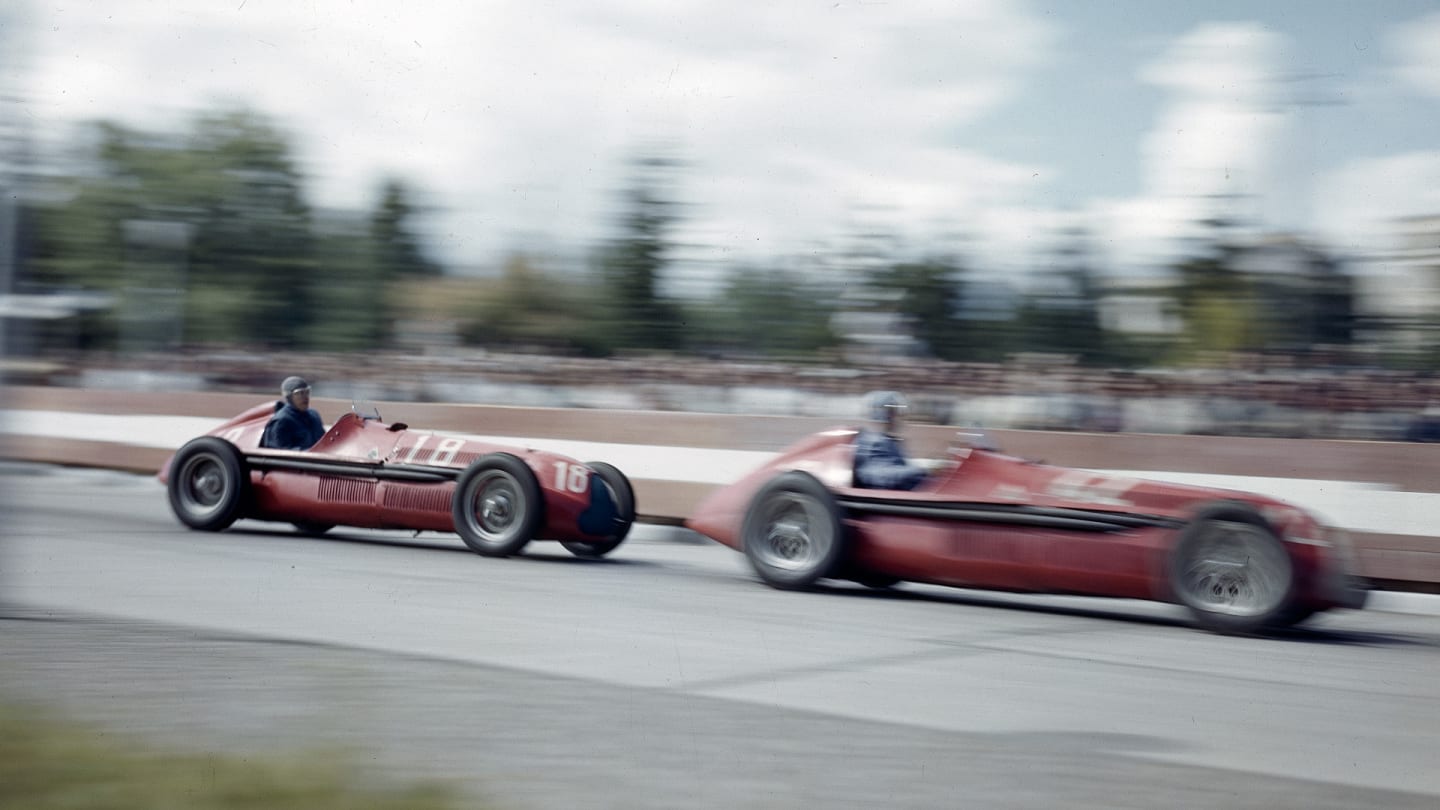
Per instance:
(48,762)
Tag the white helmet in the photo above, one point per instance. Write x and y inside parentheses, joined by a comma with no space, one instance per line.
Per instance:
(884,406)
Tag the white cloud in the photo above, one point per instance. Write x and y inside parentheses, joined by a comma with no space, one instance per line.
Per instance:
(1359,203)
(518,114)
(1214,139)
(1415,47)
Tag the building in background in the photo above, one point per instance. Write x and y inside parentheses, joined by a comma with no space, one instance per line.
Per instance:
(1399,290)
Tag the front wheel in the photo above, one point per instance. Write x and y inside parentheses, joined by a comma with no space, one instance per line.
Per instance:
(497,506)
(793,534)
(209,484)
(622,498)
(1232,571)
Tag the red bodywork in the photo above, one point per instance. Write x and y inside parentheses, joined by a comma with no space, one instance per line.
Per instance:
(349,477)
(993,521)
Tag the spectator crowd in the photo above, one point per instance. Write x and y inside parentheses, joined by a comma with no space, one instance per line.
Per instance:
(1267,396)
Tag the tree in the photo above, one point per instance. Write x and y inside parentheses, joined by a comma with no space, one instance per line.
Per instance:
(766,313)
(1217,303)
(1276,293)
(254,244)
(1063,316)
(930,294)
(633,264)
(354,304)
(215,217)
(391,227)
(360,259)
(530,308)
(207,233)
(1316,296)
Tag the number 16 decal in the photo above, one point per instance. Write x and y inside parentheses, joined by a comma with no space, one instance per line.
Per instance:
(574,477)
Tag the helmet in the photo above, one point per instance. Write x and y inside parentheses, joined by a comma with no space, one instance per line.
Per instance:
(293,385)
(884,406)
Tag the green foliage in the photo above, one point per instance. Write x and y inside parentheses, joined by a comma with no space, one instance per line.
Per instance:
(930,295)
(206,237)
(531,309)
(397,249)
(1218,304)
(1063,316)
(765,313)
(353,298)
(46,763)
(638,317)
(215,218)
(1065,323)
(1279,294)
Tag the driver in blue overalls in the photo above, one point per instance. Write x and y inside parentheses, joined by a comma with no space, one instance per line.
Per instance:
(880,461)
(294,426)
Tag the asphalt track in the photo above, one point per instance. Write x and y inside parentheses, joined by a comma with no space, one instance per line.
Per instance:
(667,677)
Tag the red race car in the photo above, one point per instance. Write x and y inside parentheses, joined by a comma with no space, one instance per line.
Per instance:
(369,474)
(1240,562)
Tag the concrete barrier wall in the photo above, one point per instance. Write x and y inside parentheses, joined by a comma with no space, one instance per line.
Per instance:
(1384,493)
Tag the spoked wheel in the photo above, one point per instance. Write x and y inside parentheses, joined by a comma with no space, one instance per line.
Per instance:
(497,506)
(622,503)
(1232,571)
(793,534)
(208,484)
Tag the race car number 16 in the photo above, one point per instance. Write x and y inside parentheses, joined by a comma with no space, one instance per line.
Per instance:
(574,477)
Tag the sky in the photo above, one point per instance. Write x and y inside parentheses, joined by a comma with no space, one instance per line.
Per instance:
(982,126)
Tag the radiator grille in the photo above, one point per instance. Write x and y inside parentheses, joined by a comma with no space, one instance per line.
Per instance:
(417,498)
(346,490)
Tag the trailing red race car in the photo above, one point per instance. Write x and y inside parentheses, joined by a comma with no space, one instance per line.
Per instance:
(1240,562)
(369,474)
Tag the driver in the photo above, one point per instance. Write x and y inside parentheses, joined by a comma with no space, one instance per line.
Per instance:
(294,426)
(880,461)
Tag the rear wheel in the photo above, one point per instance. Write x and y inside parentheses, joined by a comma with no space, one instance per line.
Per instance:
(793,534)
(497,506)
(1232,571)
(209,484)
(622,495)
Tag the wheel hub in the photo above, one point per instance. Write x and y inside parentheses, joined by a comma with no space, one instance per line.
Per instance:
(789,539)
(208,487)
(204,483)
(496,510)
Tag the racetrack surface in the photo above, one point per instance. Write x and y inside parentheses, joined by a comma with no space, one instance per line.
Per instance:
(667,676)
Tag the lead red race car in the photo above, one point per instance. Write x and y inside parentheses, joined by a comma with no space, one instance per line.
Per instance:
(1240,562)
(369,474)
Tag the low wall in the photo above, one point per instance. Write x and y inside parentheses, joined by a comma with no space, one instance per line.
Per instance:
(1403,560)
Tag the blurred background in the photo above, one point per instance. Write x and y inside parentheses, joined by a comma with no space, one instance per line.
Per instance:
(1216,218)
(1114,216)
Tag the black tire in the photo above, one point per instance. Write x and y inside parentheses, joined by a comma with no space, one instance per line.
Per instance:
(312,529)
(1232,571)
(209,484)
(793,533)
(498,505)
(623,495)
